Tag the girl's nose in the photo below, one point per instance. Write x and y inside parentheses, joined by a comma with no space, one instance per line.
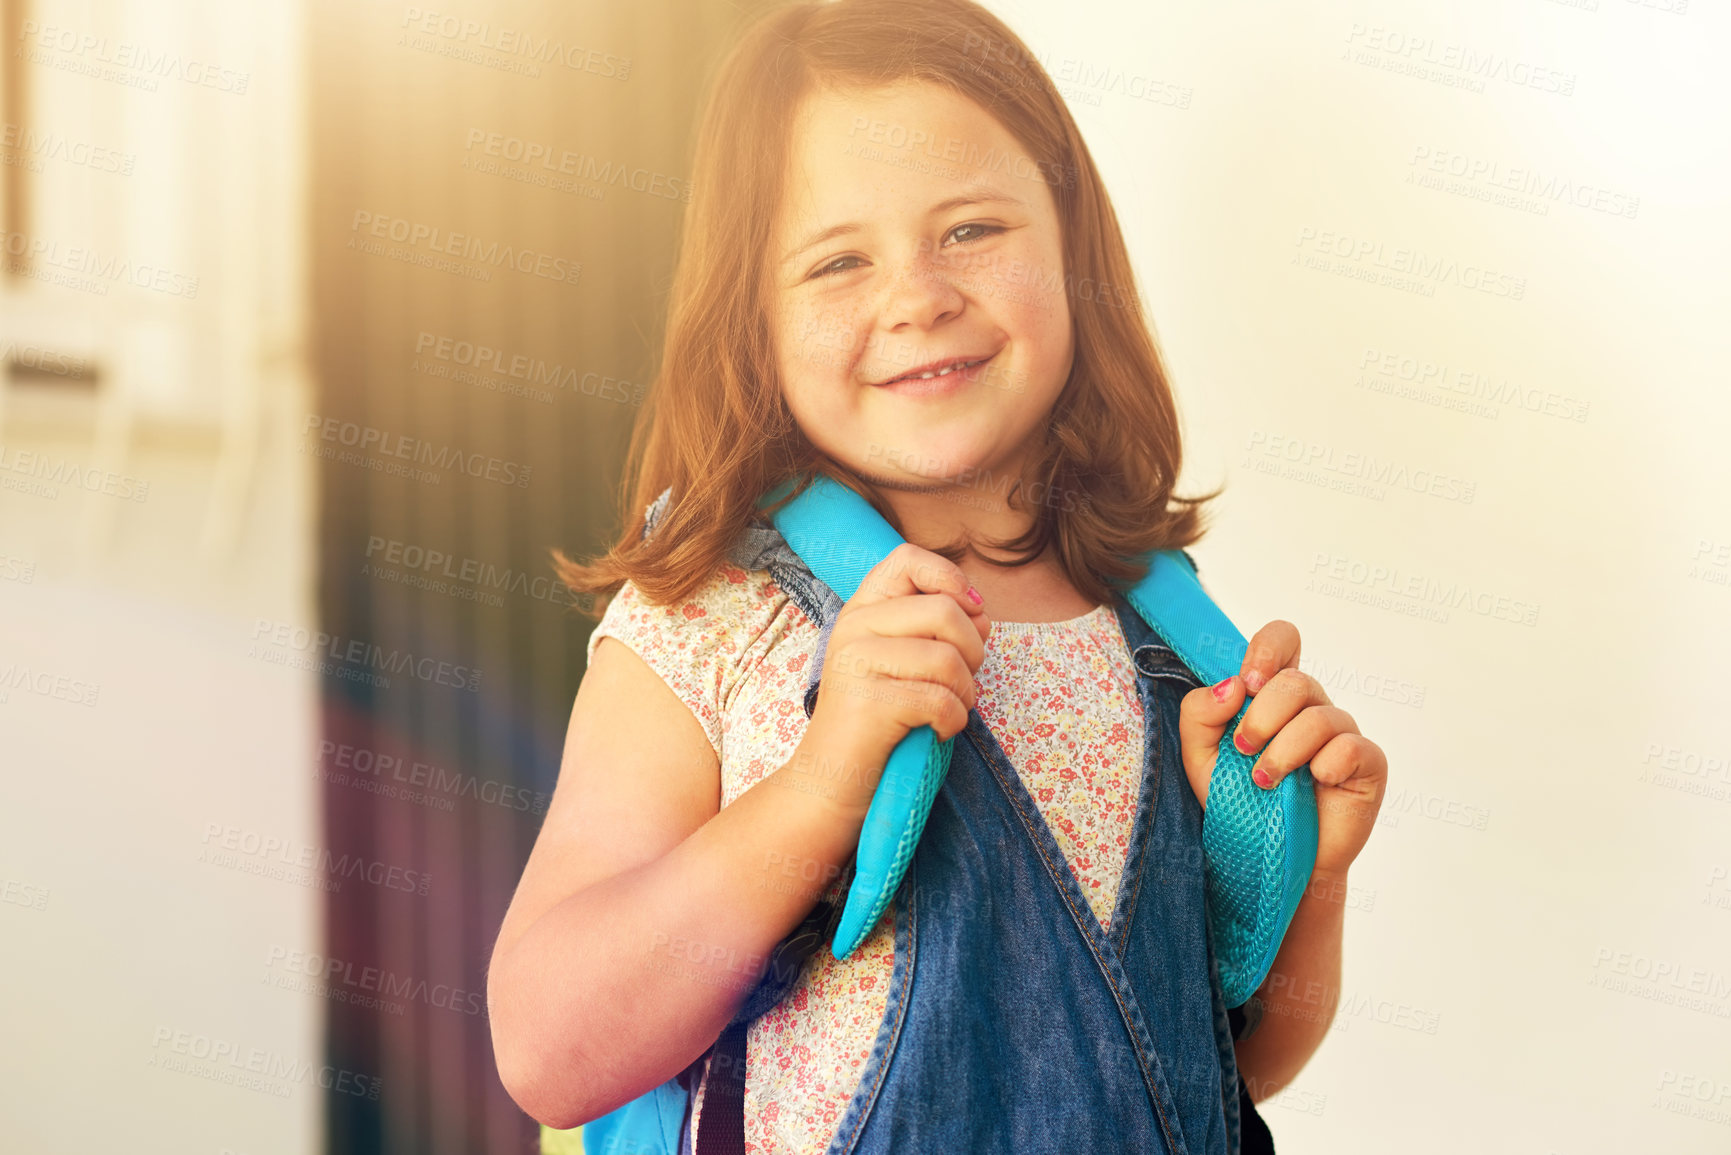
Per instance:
(922,292)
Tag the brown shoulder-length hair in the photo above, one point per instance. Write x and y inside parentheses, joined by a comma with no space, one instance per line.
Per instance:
(714,426)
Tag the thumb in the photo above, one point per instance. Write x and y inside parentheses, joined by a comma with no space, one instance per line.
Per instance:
(1203,716)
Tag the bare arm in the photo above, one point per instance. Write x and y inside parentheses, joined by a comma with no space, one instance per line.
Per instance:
(1300,994)
(646,909)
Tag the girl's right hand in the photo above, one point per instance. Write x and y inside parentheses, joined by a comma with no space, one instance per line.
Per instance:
(902,654)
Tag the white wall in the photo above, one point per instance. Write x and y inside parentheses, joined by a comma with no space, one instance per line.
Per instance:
(1540,958)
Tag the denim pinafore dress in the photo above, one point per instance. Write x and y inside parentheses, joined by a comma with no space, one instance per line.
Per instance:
(1015,1023)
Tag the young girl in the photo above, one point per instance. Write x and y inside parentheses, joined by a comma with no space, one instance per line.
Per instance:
(902,269)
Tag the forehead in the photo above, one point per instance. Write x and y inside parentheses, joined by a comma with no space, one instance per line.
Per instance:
(857,153)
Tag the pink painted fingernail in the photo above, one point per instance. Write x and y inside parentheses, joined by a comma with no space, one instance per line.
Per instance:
(1220,688)
(975,594)
(1262,779)
(1253,681)
(1243,743)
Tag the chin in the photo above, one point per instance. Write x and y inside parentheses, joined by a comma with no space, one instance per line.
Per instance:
(921,466)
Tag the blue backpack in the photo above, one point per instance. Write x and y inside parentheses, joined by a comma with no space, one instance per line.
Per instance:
(1258,845)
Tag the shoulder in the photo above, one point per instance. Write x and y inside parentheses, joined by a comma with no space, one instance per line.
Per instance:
(704,646)
(721,615)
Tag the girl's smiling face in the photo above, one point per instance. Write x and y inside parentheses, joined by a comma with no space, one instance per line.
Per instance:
(889,260)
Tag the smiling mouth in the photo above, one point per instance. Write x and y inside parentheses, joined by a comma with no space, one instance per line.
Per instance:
(953,367)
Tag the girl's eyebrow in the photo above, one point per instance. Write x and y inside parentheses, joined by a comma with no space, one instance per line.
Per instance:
(972,195)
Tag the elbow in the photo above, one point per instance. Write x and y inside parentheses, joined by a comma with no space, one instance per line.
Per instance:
(558,1089)
(548,1096)
(549,1092)
(562,1067)
(561,1113)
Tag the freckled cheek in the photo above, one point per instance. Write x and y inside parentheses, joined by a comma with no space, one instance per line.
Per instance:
(816,378)
(823,358)
(1034,315)
(1038,329)
(818,343)
(1020,290)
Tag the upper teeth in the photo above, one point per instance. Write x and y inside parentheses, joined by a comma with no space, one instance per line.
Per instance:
(939,372)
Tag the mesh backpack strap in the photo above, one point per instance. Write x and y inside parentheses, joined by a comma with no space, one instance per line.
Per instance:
(1258,845)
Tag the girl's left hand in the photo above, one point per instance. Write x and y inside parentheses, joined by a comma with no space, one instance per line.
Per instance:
(1290,722)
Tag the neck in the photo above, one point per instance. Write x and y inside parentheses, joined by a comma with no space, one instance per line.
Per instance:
(936,512)
(941,514)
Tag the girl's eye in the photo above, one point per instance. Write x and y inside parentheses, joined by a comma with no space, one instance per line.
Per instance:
(981,231)
(834,266)
(984,230)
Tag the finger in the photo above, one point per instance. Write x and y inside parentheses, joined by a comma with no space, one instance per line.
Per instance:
(906,660)
(1205,712)
(1273,649)
(1299,741)
(1280,701)
(908,569)
(931,704)
(1353,762)
(934,616)
(1203,715)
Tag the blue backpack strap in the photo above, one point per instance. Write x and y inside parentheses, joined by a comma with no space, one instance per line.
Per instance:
(841,538)
(1259,845)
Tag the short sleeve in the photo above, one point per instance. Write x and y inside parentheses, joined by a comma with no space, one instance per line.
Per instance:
(696,646)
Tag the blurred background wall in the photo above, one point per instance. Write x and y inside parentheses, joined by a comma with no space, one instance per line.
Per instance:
(159,833)
(321,323)
(496,200)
